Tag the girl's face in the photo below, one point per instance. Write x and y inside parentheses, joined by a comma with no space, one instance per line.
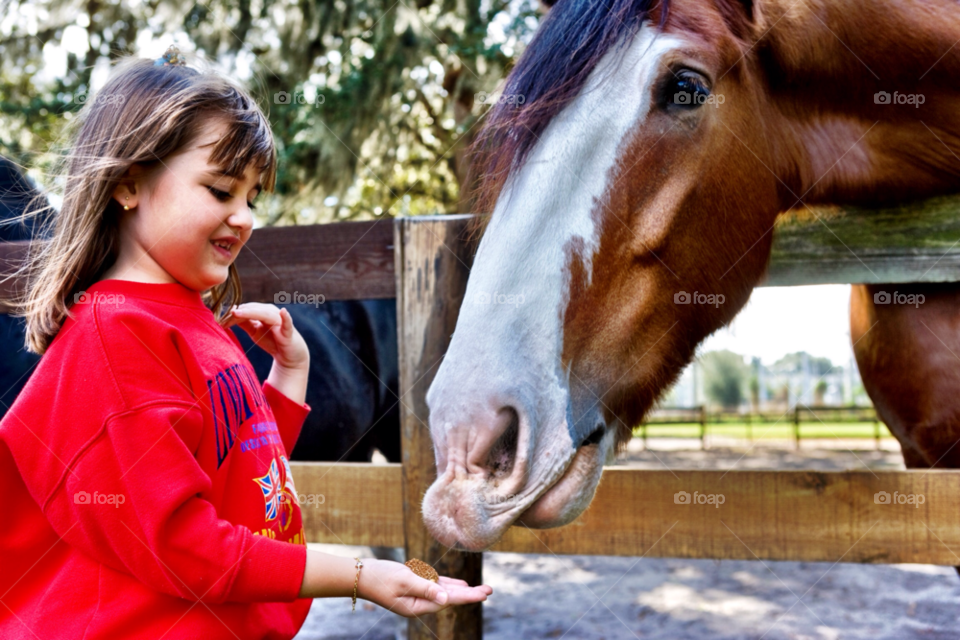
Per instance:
(187,221)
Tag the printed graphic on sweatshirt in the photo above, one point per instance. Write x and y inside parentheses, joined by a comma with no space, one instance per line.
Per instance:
(235,396)
(279,493)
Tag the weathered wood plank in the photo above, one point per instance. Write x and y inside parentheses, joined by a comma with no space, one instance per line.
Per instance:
(350,503)
(342,261)
(432,266)
(770,515)
(916,242)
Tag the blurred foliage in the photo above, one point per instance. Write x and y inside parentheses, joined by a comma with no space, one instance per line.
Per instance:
(372,102)
(725,378)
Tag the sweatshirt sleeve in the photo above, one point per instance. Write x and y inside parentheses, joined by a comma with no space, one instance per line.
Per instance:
(288,414)
(132,501)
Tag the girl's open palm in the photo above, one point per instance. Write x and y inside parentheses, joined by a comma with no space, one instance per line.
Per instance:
(395,587)
(271,329)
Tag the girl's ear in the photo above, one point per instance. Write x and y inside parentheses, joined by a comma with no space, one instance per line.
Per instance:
(127,190)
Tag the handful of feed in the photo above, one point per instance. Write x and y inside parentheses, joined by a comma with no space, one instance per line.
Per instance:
(422,569)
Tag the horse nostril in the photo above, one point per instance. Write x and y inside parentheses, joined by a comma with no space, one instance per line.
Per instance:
(595,437)
(503,453)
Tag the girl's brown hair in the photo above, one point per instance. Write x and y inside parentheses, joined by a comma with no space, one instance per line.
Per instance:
(142,115)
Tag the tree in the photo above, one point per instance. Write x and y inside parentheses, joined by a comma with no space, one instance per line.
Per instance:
(819,391)
(381,93)
(725,377)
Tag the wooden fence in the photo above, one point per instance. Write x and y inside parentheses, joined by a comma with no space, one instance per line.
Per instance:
(816,414)
(851,516)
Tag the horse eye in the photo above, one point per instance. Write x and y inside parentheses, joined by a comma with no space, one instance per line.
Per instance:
(687,91)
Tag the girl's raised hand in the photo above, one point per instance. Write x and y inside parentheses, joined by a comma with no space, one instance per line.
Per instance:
(271,328)
(395,587)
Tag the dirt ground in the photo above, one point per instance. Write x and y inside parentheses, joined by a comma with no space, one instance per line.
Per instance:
(613,598)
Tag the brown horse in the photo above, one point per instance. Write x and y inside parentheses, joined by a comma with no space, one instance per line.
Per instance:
(634,190)
(909,359)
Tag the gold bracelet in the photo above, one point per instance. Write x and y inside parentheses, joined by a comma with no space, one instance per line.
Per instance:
(356,582)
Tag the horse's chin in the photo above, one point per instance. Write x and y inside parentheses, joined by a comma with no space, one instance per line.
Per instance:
(456,516)
(571,495)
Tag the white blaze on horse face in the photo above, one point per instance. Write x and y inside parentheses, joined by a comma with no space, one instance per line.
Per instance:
(509,336)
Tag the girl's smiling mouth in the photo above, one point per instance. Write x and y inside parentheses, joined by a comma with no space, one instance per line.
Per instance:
(224,246)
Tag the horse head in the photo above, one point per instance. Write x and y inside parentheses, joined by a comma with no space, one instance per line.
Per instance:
(635,163)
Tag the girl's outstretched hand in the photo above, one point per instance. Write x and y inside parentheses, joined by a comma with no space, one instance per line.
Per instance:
(395,587)
(271,328)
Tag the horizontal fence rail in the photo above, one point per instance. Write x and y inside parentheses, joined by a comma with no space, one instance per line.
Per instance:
(849,516)
(354,260)
(342,261)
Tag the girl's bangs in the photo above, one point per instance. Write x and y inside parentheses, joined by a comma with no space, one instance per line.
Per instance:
(248,142)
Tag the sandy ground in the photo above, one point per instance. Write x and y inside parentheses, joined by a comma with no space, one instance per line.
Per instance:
(613,598)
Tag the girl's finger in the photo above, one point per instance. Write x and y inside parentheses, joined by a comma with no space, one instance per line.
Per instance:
(255,310)
(465,595)
(428,590)
(444,580)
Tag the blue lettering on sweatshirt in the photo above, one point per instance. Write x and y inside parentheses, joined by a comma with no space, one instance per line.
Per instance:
(234,397)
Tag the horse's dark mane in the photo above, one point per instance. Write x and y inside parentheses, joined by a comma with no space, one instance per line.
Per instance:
(569,43)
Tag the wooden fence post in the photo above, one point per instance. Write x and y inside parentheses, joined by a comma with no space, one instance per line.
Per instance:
(796,424)
(703,427)
(432,266)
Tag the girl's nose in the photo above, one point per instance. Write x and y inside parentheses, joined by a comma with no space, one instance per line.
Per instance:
(241,219)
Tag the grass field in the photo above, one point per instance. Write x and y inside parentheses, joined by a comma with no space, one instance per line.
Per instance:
(782,430)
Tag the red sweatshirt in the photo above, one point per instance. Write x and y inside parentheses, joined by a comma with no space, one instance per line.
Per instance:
(145,488)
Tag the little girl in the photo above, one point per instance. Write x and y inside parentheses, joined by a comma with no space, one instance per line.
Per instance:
(145,481)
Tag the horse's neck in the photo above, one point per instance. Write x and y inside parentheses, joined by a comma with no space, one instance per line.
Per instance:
(826,61)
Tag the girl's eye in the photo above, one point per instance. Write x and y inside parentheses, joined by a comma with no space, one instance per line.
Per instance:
(222,196)
(687,91)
